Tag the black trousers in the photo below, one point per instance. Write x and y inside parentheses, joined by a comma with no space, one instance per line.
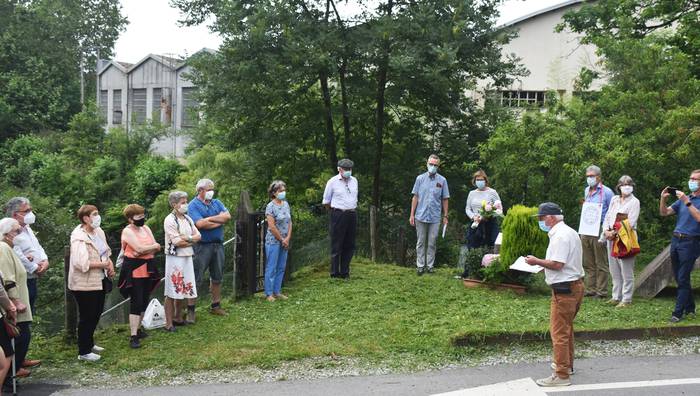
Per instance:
(343,230)
(90,306)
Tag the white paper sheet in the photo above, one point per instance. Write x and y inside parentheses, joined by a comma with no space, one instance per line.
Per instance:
(499,239)
(444,228)
(591,216)
(521,265)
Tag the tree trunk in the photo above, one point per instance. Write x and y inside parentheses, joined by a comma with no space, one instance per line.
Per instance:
(346,111)
(379,125)
(328,116)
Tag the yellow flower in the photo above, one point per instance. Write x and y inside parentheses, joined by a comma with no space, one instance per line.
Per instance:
(483,204)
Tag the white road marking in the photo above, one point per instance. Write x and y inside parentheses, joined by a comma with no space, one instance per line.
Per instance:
(624,385)
(521,387)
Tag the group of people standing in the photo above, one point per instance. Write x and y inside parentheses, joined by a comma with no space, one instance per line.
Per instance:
(193,244)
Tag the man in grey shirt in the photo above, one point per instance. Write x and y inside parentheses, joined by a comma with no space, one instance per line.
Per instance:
(430,198)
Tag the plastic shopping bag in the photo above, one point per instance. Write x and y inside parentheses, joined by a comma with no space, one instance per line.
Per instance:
(154,317)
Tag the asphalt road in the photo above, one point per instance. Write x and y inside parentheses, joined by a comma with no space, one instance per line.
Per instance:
(615,376)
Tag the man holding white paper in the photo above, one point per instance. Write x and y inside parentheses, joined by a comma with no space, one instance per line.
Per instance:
(596,201)
(563,271)
(430,198)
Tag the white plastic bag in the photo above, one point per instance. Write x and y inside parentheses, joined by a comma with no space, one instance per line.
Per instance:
(154,317)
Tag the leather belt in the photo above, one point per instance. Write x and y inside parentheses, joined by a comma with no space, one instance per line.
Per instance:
(685,236)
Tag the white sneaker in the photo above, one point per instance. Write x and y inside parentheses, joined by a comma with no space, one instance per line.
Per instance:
(90,357)
(553,381)
(554,367)
(97,349)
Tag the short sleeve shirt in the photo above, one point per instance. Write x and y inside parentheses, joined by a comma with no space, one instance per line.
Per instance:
(685,223)
(199,210)
(601,194)
(431,190)
(564,247)
(341,193)
(283,217)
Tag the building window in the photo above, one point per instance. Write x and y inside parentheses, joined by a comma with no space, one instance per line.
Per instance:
(518,99)
(138,105)
(155,104)
(103,104)
(189,107)
(117,107)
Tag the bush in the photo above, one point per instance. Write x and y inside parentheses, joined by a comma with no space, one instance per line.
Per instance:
(522,235)
(472,263)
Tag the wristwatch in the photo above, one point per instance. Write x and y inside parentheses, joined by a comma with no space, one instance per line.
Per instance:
(189,239)
(688,204)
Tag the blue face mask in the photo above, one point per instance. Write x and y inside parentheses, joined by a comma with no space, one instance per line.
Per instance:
(693,185)
(347,174)
(543,226)
(480,184)
(282,195)
(432,169)
(592,181)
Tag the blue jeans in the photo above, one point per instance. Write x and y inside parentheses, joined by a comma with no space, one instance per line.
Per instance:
(274,268)
(684,252)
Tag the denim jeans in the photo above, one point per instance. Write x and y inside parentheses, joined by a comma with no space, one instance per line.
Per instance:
(684,252)
(274,268)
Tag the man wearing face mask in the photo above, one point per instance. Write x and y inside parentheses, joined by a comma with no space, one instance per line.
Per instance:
(594,247)
(430,197)
(685,244)
(209,216)
(340,197)
(563,271)
(30,252)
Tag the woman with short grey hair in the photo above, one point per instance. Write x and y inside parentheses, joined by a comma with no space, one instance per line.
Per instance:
(180,235)
(624,205)
(279,233)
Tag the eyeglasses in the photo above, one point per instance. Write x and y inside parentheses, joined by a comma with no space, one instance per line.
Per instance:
(436,165)
(25,211)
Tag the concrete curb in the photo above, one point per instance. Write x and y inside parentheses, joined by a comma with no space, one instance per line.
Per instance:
(585,335)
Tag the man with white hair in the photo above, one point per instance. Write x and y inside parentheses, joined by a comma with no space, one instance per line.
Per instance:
(595,255)
(209,216)
(563,271)
(29,251)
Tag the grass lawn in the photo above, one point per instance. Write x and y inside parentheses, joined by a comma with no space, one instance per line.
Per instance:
(384,311)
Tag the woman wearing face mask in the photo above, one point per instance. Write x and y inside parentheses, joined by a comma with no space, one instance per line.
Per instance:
(486,232)
(621,268)
(14,280)
(138,276)
(90,264)
(180,235)
(279,233)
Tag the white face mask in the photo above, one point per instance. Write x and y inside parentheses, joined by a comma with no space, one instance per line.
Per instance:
(96,221)
(592,181)
(626,190)
(182,209)
(29,218)
(209,195)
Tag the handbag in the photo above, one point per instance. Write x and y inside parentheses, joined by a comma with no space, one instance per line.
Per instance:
(107,285)
(626,244)
(11,328)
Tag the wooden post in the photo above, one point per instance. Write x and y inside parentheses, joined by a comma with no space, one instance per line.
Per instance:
(373,231)
(71,313)
(235,259)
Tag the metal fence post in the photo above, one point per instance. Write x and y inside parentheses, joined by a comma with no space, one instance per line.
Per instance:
(71,313)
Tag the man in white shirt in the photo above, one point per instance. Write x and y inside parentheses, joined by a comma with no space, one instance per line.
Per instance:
(563,271)
(340,197)
(29,251)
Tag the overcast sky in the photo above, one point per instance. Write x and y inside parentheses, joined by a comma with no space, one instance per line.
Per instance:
(153,28)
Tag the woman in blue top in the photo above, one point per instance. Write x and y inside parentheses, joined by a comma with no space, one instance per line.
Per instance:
(279,233)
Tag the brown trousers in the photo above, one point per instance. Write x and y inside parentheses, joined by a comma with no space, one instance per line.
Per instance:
(563,310)
(595,264)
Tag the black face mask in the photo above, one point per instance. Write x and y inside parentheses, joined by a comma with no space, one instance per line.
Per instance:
(140,222)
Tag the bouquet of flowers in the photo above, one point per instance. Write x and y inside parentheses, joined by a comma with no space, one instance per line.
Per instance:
(489,211)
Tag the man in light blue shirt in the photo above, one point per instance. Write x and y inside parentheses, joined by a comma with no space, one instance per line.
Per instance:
(595,255)
(428,206)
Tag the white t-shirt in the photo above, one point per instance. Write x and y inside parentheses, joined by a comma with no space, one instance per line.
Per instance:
(564,247)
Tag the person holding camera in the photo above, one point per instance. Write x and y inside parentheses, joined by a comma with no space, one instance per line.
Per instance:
(685,244)
(623,206)
(180,235)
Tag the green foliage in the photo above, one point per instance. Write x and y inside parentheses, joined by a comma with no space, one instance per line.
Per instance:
(472,263)
(151,176)
(41,44)
(521,235)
